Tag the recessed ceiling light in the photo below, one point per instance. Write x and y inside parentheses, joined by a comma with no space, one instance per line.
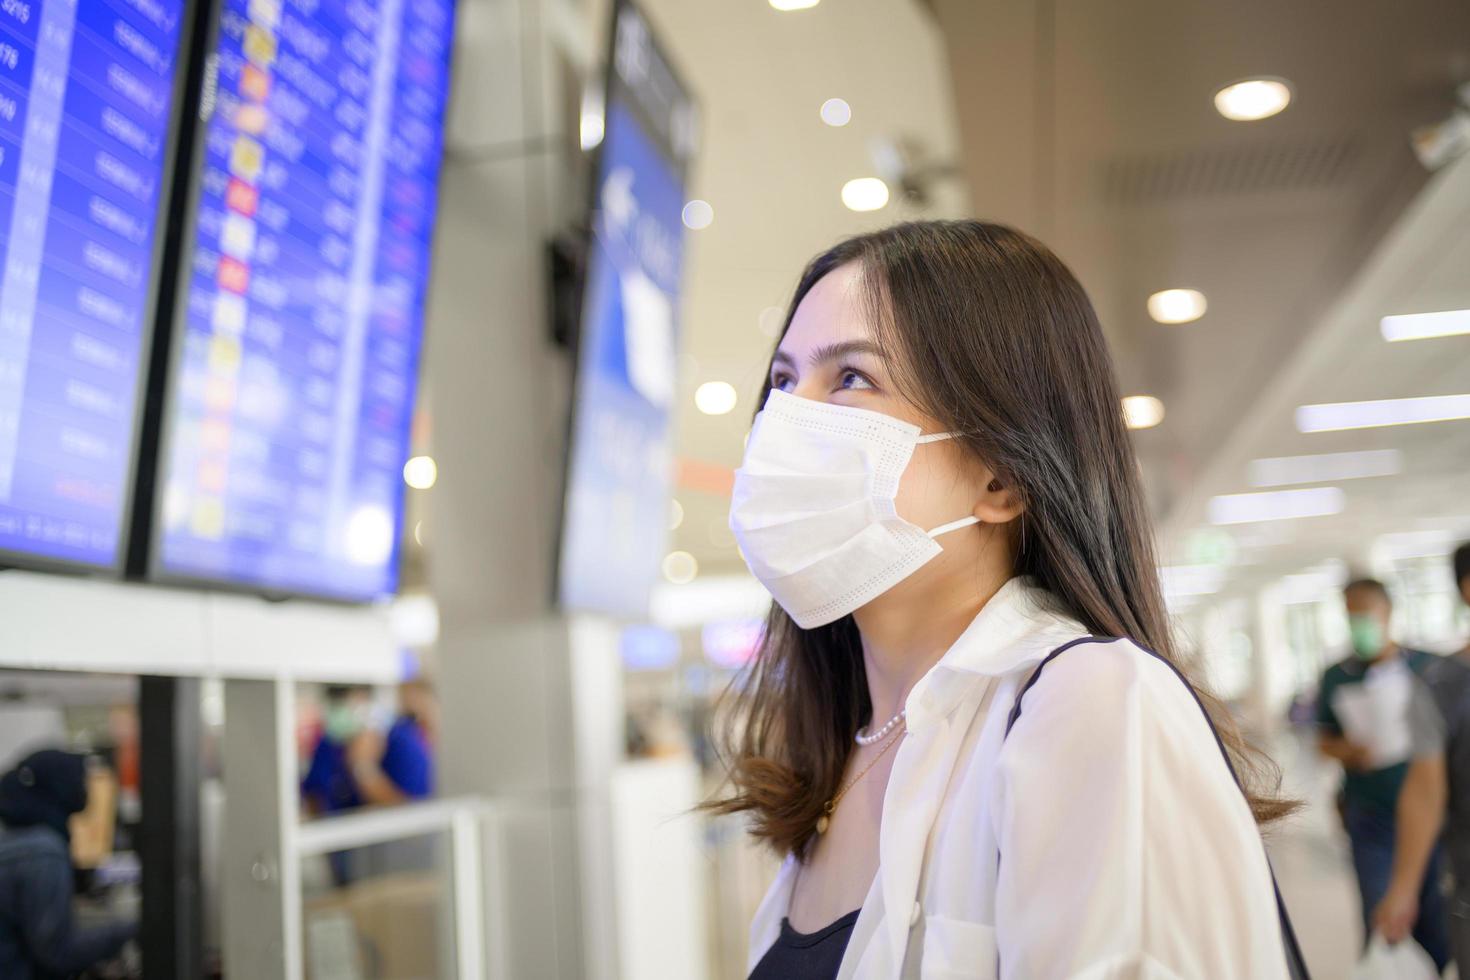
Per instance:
(1142,411)
(1391,411)
(420,472)
(593,124)
(1253,98)
(676,515)
(698,214)
(591,133)
(1276,505)
(865,194)
(1177,305)
(715,398)
(836,112)
(680,567)
(784,5)
(1325,467)
(1423,326)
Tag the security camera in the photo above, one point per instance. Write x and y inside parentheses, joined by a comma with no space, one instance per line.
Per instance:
(1448,139)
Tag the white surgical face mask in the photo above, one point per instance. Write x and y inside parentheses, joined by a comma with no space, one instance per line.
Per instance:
(813,507)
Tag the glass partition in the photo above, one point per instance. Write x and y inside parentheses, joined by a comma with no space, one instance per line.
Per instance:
(380,912)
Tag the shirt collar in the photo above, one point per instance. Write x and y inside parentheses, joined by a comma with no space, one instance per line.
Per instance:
(1018,626)
(1356,666)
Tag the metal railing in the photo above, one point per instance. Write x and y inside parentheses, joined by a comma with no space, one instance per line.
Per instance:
(462,819)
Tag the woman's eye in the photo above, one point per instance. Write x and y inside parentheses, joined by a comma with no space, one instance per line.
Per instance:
(852,380)
(781,382)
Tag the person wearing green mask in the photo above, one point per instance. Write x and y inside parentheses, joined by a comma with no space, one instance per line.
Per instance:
(328,786)
(1377,716)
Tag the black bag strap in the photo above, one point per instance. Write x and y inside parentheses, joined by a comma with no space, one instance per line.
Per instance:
(1295,963)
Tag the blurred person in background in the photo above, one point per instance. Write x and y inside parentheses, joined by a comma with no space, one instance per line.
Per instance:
(1435,795)
(329,786)
(1460,564)
(398,766)
(39,936)
(1377,715)
(950,381)
(357,763)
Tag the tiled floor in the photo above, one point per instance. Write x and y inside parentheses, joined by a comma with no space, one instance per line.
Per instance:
(1311,860)
(1309,853)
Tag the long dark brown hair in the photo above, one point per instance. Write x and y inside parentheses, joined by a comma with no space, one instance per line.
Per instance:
(991,335)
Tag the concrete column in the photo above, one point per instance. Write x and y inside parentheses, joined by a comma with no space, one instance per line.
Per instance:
(1015,182)
(531,701)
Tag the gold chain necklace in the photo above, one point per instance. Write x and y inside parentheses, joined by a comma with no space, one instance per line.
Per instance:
(825,820)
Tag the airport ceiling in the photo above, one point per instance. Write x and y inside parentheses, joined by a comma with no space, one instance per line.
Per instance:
(1092,125)
(1420,507)
(1294,227)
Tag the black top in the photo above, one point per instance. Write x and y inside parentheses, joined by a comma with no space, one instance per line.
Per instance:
(806,955)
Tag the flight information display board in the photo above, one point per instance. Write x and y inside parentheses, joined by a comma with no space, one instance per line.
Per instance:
(615,528)
(296,348)
(87,91)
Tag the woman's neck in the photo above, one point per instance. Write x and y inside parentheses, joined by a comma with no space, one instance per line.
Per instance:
(906,634)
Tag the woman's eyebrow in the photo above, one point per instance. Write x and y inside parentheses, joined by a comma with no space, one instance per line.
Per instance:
(832,352)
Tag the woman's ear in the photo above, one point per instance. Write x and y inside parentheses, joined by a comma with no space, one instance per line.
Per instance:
(998,504)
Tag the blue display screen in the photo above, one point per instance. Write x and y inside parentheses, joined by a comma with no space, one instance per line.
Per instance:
(616,526)
(297,352)
(86,92)
(617,513)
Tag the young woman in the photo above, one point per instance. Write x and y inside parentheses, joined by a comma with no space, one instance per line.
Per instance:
(940,493)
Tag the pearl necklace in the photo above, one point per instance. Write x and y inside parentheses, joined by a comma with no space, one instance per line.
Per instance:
(880,734)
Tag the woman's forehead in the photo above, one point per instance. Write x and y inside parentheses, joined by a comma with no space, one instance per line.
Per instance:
(835,310)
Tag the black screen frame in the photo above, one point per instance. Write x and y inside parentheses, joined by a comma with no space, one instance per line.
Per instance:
(583,251)
(145,561)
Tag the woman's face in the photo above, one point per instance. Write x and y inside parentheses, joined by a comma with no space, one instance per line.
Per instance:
(828,354)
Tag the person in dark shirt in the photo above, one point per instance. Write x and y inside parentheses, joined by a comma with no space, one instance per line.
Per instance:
(39,937)
(328,786)
(1435,800)
(357,764)
(1377,761)
(398,766)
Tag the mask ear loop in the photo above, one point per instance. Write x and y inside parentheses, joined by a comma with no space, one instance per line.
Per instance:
(963,521)
(953,526)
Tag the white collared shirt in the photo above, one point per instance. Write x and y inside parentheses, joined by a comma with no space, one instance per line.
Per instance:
(1105,838)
